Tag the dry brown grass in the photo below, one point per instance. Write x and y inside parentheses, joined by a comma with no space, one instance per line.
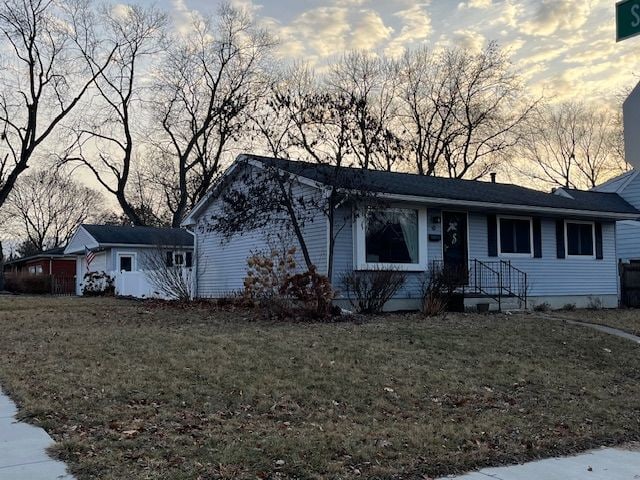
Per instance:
(130,391)
(623,319)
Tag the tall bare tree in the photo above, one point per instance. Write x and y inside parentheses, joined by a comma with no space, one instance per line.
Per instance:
(460,111)
(45,207)
(210,79)
(106,143)
(573,145)
(368,84)
(43,80)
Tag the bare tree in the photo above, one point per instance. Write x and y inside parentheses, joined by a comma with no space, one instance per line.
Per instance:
(368,85)
(460,111)
(319,123)
(43,80)
(106,143)
(573,145)
(46,207)
(210,79)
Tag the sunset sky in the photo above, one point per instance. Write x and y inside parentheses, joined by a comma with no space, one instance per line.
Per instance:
(563,48)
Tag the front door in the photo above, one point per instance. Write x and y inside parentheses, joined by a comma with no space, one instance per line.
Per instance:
(454,243)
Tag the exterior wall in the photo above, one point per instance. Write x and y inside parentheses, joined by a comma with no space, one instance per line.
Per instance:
(552,280)
(628,240)
(222,264)
(80,240)
(550,276)
(631,192)
(100,264)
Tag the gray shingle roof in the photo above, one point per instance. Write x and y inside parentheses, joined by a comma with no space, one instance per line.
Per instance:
(51,253)
(453,189)
(115,234)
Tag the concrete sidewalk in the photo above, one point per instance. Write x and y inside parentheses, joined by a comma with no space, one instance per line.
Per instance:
(601,464)
(22,449)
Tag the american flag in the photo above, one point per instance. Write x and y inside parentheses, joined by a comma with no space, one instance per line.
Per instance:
(88,256)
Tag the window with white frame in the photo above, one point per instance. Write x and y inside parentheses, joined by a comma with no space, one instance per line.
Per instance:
(179,259)
(515,235)
(580,238)
(125,262)
(392,236)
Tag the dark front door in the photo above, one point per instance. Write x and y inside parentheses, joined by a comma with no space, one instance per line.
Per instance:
(454,243)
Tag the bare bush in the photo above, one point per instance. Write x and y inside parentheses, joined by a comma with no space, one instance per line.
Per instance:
(369,291)
(174,280)
(440,288)
(312,291)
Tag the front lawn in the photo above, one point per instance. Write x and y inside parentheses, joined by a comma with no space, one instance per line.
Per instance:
(134,391)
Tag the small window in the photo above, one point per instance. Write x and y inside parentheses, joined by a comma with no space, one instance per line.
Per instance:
(178,259)
(580,239)
(126,263)
(189,262)
(169,259)
(391,236)
(515,236)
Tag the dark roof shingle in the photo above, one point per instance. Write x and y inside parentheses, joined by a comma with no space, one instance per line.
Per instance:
(453,189)
(115,234)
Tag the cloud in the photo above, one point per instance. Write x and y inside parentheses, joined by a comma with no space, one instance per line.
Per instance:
(552,16)
(182,15)
(370,31)
(469,40)
(416,26)
(479,4)
(120,10)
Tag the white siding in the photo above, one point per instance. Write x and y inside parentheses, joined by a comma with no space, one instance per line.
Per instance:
(631,193)
(222,264)
(552,276)
(547,276)
(628,240)
(80,240)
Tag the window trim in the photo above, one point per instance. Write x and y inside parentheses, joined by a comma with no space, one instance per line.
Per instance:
(134,261)
(360,260)
(515,255)
(593,237)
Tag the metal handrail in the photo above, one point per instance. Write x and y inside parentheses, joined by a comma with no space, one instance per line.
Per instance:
(495,279)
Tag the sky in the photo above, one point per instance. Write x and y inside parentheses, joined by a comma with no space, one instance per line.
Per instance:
(562,48)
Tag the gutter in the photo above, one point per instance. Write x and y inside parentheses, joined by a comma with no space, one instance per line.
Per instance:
(436,201)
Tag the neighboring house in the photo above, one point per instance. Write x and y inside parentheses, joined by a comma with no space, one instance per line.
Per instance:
(514,242)
(48,262)
(126,252)
(627,186)
(50,271)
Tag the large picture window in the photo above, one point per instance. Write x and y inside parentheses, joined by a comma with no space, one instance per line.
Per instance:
(515,236)
(391,236)
(580,239)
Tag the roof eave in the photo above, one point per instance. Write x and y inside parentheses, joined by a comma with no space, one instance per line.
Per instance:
(512,207)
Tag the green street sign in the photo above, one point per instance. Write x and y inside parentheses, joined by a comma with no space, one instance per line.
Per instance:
(627,19)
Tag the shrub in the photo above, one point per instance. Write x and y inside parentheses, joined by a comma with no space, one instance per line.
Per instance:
(542,307)
(312,290)
(595,303)
(439,292)
(568,307)
(26,283)
(369,291)
(267,273)
(98,284)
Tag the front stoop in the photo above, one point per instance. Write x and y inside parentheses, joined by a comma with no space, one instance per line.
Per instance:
(23,449)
